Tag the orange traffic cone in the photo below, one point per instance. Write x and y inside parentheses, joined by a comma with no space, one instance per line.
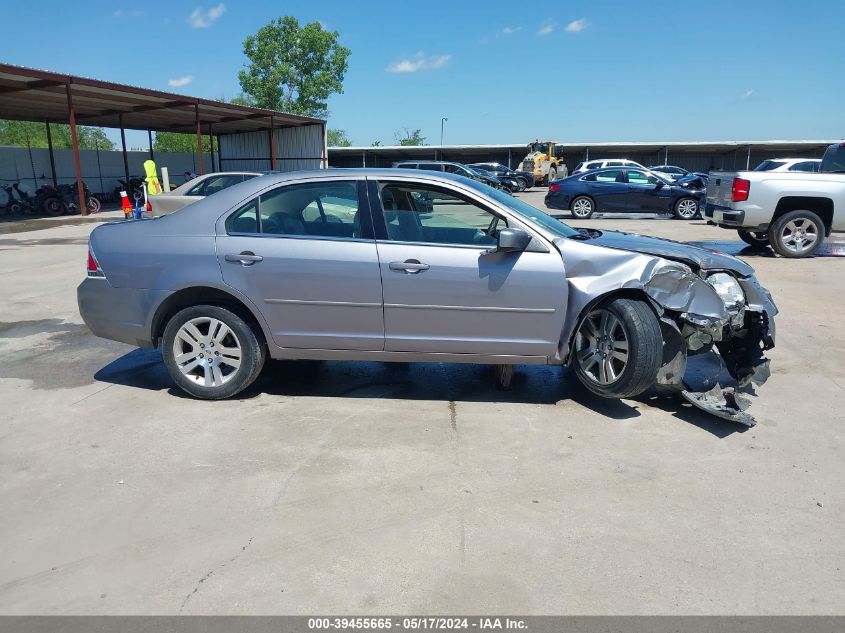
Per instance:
(125,206)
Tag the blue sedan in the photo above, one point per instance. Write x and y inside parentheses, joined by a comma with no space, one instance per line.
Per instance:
(623,190)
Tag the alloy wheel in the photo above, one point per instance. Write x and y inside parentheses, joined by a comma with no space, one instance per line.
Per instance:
(582,208)
(799,235)
(687,209)
(207,351)
(601,347)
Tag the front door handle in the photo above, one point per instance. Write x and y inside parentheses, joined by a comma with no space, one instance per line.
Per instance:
(412,266)
(246,258)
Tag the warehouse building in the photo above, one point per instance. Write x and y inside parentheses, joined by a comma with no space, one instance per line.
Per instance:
(695,156)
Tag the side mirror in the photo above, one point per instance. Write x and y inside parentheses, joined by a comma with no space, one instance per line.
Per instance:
(659,185)
(513,241)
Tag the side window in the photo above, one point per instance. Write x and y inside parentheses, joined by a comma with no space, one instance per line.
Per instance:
(640,178)
(416,213)
(322,209)
(614,163)
(325,209)
(594,165)
(430,166)
(198,189)
(218,183)
(611,175)
(245,219)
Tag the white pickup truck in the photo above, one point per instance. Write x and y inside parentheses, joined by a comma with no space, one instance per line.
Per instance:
(792,211)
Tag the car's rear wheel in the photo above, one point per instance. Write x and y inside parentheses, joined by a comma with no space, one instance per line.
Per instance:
(211,352)
(618,349)
(686,208)
(754,238)
(522,183)
(582,207)
(797,234)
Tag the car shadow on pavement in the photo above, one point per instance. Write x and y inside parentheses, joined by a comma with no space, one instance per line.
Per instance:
(447,382)
(741,249)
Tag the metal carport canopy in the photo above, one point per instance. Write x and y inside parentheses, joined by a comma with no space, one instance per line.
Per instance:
(27,94)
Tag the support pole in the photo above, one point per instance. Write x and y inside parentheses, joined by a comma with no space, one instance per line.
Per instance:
(123,146)
(52,156)
(748,159)
(211,142)
(666,156)
(510,166)
(272,140)
(219,155)
(199,139)
(150,139)
(325,151)
(74,141)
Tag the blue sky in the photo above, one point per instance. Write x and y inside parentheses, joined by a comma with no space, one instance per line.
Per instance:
(502,72)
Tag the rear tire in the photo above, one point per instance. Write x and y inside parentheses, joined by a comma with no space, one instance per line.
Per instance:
(617,349)
(552,175)
(797,234)
(211,352)
(582,207)
(54,206)
(759,239)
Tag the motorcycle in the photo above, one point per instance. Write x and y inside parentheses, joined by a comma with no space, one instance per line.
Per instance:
(69,196)
(17,200)
(133,188)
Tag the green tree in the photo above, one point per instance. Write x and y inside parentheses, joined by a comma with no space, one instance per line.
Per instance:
(376,144)
(337,138)
(33,134)
(293,68)
(408,137)
(179,142)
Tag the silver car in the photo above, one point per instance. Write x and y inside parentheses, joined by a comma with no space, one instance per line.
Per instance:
(197,189)
(406,265)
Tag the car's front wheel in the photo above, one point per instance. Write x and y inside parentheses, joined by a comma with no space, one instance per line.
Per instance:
(754,238)
(582,207)
(211,352)
(686,208)
(618,348)
(797,234)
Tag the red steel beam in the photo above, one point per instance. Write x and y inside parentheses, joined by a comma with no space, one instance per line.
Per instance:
(199,139)
(74,140)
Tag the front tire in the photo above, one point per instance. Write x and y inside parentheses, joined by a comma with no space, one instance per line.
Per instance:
(552,175)
(618,349)
(758,239)
(211,352)
(54,206)
(686,208)
(797,234)
(582,207)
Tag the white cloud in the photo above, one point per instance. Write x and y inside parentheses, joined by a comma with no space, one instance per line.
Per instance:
(747,94)
(180,81)
(419,62)
(546,29)
(577,26)
(203,18)
(510,30)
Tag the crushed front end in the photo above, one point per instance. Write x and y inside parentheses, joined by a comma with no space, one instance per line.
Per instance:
(719,314)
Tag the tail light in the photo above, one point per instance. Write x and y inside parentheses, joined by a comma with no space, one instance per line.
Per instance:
(740,189)
(94,269)
(553,188)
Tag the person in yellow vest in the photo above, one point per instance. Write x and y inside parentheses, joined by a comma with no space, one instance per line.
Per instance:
(153,185)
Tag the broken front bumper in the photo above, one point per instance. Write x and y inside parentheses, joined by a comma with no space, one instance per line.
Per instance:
(737,339)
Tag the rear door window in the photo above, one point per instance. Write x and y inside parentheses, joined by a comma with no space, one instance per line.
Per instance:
(611,175)
(834,159)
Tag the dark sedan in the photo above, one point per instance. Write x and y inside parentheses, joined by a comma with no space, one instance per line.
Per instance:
(623,189)
(526,177)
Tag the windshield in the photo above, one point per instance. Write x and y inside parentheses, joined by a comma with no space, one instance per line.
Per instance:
(769,165)
(543,148)
(530,214)
(834,159)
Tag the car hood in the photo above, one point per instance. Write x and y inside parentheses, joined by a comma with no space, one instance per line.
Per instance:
(697,257)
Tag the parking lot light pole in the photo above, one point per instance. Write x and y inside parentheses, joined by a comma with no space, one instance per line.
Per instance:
(442,123)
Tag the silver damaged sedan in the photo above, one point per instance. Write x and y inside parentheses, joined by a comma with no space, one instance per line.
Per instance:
(405,265)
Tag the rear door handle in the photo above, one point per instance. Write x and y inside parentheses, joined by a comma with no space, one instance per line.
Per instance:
(409,266)
(247,258)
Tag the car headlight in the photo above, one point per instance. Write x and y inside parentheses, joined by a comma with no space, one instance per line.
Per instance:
(728,288)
